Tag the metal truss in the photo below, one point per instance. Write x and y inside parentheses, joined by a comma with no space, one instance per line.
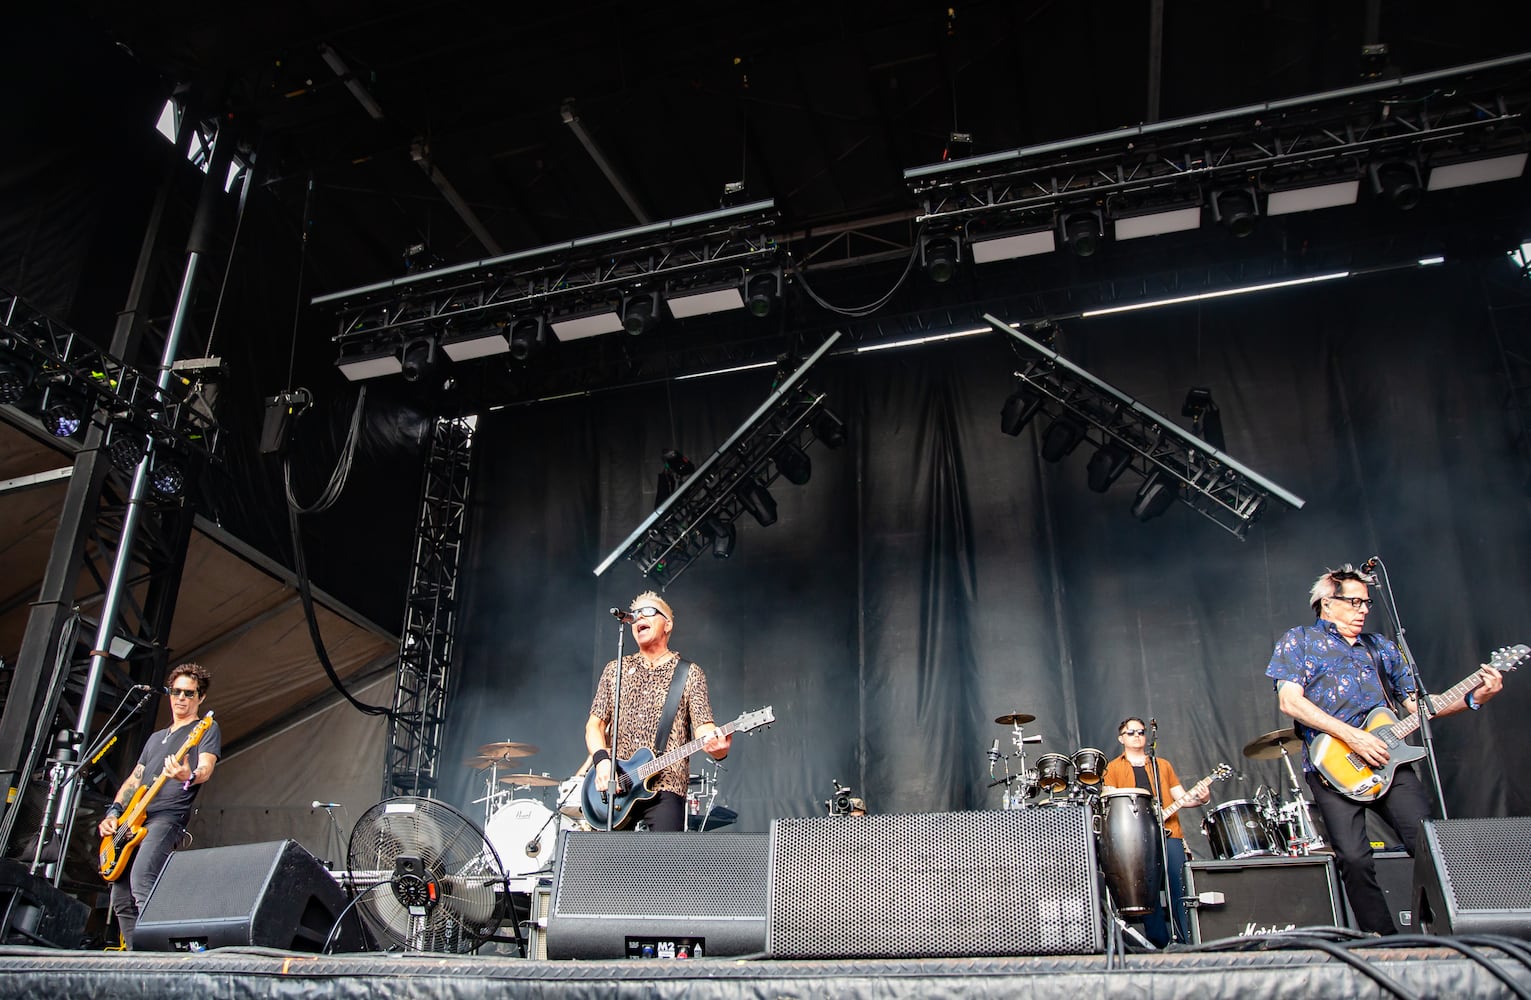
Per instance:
(711,499)
(1473,110)
(65,363)
(425,648)
(1207,480)
(667,256)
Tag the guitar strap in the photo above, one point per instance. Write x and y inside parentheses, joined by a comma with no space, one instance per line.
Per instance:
(671,705)
(1369,640)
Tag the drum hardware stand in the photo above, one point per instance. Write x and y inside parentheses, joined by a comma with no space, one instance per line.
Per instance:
(1119,926)
(1307,839)
(1018,739)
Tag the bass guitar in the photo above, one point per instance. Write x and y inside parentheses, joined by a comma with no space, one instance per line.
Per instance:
(1193,793)
(1348,773)
(635,772)
(117,850)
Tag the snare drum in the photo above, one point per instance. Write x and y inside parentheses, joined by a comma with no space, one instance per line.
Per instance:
(522,836)
(1054,772)
(1129,849)
(1239,829)
(1089,766)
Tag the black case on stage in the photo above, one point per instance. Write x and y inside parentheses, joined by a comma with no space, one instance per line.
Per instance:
(1262,895)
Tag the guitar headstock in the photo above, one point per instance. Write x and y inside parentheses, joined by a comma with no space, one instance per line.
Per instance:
(1220,772)
(754,720)
(1507,658)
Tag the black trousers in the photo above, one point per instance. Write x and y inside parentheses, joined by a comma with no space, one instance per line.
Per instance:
(664,813)
(1405,805)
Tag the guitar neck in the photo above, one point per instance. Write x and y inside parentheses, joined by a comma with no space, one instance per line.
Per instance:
(1409,723)
(680,753)
(1188,797)
(132,815)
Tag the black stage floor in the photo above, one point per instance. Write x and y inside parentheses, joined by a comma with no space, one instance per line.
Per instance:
(1293,966)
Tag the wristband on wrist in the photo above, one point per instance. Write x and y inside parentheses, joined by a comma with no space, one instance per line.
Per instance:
(1467,699)
(115,809)
(599,755)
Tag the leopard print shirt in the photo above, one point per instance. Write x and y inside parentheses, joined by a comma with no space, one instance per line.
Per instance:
(644,690)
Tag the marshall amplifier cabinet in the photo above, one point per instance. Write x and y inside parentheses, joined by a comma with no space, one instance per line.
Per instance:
(1262,896)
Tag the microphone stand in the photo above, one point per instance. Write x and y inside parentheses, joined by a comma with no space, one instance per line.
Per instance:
(1166,888)
(1422,704)
(612,783)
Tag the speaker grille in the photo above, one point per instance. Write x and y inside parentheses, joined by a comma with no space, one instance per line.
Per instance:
(661,875)
(934,884)
(1485,861)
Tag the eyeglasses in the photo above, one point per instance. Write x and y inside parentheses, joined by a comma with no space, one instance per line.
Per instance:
(1134,732)
(649,612)
(183,692)
(1354,602)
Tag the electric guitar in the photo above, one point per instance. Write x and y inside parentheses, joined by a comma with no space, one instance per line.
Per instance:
(1349,774)
(1193,793)
(117,850)
(635,772)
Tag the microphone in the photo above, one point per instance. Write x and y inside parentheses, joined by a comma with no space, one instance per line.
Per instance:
(625,617)
(1153,724)
(1369,569)
(144,687)
(994,751)
(324,805)
(533,846)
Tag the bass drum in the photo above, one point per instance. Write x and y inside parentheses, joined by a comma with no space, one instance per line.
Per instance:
(1129,850)
(1238,829)
(521,834)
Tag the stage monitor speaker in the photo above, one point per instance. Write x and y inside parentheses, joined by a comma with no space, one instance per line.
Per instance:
(271,895)
(1022,882)
(36,912)
(1473,876)
(658,895)
(1261,895)
(1395,874)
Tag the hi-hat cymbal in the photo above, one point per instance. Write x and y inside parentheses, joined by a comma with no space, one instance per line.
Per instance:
(496,751)
(1270,745)
(531,780)
(1015,719)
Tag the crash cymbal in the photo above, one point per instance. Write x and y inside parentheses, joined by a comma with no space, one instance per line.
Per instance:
(1015,719)
(496,751)
(1269,746)
(532,780)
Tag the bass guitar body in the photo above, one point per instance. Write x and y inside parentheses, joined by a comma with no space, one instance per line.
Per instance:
(115,852)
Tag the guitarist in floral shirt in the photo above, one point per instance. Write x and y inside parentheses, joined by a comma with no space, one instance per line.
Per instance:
(164,819)
(1329,676)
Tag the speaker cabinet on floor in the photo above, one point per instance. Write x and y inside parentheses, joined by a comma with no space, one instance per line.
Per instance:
(1261,895)
(658,895)
(1473,876)
(35,912)
(934,884)
(272,895)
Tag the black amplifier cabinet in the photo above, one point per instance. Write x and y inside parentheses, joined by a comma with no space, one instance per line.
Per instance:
(1254,896)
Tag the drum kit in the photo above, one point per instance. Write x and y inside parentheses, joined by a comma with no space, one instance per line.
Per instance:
(1057,780)
(1265,826)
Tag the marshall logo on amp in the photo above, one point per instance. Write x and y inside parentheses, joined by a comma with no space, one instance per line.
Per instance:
(1256,930)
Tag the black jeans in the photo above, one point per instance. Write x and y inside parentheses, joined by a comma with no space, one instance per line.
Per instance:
(1405,805)
(664,813)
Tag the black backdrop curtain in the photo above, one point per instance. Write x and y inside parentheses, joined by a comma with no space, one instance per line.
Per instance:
(935,573)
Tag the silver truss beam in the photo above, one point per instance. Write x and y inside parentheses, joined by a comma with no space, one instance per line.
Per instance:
(425,647)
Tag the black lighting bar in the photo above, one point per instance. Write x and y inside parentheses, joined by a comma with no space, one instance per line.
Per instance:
(665,256)
(714,496)
(61,363)
(1209,481)
(1423,122)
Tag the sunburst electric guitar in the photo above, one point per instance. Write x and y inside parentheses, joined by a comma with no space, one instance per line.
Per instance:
(635,771)
(1350,775)
(117,850)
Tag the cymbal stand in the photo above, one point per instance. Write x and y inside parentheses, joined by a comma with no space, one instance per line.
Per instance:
(1307,839)
(1018,739)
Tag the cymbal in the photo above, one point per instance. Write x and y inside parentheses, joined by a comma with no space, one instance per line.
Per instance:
(1270,745)
(496,751)
(532,780)
(573,812)
(1015,719)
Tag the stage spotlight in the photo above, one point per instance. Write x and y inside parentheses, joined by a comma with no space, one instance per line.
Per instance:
(1081,231)
(1236,208)
(1154,496)
(125,446)
(794,463)
(63,415)
(419,358)
(528,335)
(723,537)
(1106,466)
(761,293)
(1061,438)
(828,429)
(939,255)
(15,380)
(167,479)
(640,313)
(759,502)
(1397,182)
(1018,410)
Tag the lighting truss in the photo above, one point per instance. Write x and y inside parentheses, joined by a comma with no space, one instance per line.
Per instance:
(65,362)
(1209,481)
(562,276)
(671,538)
(1474,110)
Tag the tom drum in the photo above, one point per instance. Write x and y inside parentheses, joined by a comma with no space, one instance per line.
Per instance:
(1089,766)
(1238,829)
(1054,772)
